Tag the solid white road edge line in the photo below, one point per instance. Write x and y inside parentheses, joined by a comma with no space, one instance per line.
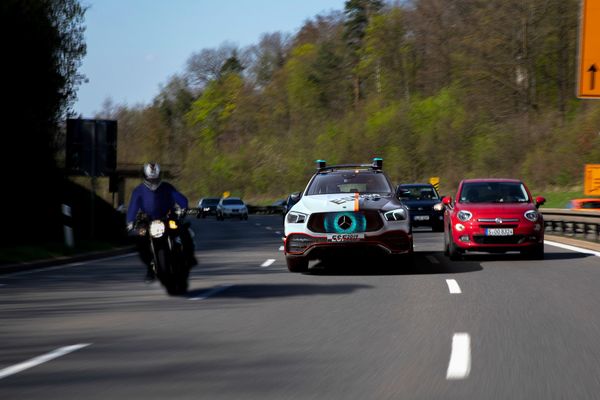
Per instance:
(41,359)
(432,259)
(459,366)
(212,292)
(453,286)
(267,263)
(70,265)
(572,248)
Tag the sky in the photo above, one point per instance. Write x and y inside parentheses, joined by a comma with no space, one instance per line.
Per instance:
(135,45)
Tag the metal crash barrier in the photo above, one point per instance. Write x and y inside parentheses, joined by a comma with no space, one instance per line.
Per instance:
(584,225)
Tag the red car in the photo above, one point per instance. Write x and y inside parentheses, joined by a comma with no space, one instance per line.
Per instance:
(493,215)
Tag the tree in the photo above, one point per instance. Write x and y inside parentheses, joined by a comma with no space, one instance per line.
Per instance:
(358,14)
(43,46)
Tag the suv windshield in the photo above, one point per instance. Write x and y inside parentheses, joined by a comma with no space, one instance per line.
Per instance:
(210,202)
(349,182)
(423,192)
(233,202)
(493,192)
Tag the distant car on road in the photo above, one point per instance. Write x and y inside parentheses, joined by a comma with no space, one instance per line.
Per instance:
(424,203)
(493,215)
(347,210)
(231,207)
(290,202)
(278,206)
(207,206)
(584,204)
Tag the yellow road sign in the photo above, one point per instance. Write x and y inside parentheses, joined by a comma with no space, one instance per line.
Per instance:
(435,181)
(591,180)
(589,50)
(226,194)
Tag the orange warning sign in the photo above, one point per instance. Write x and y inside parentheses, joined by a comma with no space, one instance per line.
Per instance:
(589,50)
(591,180)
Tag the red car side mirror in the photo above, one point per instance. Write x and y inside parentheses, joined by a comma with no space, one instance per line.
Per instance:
(447,201)
(539,201)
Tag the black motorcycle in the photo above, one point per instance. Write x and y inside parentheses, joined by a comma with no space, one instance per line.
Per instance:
(168,258)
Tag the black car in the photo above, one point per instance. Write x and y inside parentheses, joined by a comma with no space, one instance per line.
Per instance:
(424,203)
(207,206)
(289,203)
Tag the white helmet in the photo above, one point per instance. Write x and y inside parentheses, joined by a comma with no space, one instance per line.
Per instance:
(152,175)
(151,171)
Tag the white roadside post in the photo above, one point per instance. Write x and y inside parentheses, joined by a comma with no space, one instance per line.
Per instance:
(67,227)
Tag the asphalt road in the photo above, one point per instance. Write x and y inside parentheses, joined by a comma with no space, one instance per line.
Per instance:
(358,329)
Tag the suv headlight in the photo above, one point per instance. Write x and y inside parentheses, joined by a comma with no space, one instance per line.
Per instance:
(294,217)
(396,215)
(531,215)
(464,215)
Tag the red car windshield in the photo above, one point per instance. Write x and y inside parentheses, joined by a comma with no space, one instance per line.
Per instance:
(493,192)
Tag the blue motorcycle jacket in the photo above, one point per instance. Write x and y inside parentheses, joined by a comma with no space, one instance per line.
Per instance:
(154,203)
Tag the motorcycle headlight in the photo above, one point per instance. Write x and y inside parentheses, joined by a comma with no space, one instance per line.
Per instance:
(294,217)
(464,215)
(395,215)
(157,229)
(532,215)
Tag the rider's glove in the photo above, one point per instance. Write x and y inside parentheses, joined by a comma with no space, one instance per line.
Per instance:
(129,226)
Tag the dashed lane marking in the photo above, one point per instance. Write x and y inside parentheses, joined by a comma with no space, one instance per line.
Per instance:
(41,359)
(278,232)
(433,260)
(257,224)
(267,263)
(268,228)
(459,366)
(453,286)
(211,292)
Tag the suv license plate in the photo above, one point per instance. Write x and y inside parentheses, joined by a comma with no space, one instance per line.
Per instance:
(499,232)
(421,217)
(345,237)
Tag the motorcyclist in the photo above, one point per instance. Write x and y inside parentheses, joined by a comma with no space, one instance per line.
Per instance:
(156,198)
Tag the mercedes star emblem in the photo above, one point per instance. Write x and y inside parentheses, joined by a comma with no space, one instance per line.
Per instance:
(344,222)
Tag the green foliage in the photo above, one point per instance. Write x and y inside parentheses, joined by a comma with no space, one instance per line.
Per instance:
(448,89)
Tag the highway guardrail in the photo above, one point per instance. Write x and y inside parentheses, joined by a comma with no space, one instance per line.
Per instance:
(584,225)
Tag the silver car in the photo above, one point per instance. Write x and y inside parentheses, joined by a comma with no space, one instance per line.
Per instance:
(232,207)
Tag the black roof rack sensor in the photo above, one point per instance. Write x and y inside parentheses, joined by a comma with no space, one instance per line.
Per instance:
(376,165)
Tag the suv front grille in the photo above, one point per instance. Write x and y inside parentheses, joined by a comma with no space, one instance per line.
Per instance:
(366,221)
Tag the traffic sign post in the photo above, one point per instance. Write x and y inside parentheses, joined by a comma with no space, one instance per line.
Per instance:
(591,186)
(588,85)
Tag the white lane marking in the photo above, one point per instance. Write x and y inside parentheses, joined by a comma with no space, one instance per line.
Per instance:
(453,286)
(572,248)
(280,248)
(267,263)
(432,259)
(257,224)
(70,265)
(212,292)
(268,228)
(2,284)
(459,366)
(40,359)
(278,232)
